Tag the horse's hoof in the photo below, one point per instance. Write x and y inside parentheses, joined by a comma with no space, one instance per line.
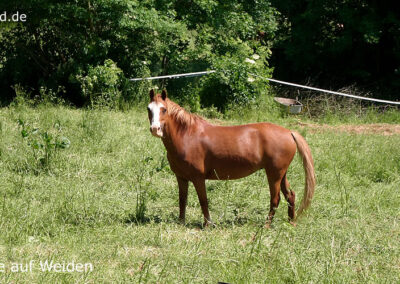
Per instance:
(292,223)
(182,221)
(209,224)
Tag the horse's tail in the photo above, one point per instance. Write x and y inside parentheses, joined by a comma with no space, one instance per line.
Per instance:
(308,164)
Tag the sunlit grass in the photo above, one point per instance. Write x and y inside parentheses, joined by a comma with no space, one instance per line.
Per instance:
(84,208)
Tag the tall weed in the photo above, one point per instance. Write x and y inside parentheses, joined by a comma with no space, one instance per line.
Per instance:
(44,145)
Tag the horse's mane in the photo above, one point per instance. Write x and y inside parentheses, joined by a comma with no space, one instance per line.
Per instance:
(181,116)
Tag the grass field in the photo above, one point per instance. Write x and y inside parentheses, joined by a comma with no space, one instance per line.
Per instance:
(94,186)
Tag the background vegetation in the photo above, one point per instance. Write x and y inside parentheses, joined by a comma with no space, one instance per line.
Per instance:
(86,49)
(65,45)
(338,43)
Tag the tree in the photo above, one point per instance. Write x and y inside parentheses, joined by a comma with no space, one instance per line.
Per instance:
(339,42)
(61,41)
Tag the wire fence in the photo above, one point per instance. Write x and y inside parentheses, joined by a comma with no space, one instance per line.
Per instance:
(202,73)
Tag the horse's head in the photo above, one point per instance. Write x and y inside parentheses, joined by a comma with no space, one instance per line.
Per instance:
(157,110)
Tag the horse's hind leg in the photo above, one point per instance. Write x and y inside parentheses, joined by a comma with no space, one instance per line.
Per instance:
(274,181)
(290,198)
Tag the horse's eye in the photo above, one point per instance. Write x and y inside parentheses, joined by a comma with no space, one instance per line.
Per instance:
(164,110)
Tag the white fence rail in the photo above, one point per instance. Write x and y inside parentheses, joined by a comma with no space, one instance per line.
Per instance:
(202,73)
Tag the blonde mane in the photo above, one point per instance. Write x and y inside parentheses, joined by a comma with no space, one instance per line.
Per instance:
(181,116)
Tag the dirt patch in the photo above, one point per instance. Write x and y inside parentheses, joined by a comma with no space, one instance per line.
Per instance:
(377,128)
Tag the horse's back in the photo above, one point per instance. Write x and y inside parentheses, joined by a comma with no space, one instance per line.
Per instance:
(241,150)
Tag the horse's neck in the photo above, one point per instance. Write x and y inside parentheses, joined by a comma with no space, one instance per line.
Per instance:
(174,135)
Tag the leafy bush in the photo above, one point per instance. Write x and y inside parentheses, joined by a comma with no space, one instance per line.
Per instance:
(101,85)
(136,92)
(49,96)
(235,82)
(22,97)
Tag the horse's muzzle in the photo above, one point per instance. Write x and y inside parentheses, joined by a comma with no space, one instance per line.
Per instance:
(156,131)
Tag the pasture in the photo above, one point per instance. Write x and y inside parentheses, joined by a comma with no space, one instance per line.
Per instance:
(93,186)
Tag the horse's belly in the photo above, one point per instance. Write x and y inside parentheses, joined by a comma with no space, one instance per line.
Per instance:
(225,174)
(232,168)
(235,157)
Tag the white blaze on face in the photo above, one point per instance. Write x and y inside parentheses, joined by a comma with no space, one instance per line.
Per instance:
(155,124)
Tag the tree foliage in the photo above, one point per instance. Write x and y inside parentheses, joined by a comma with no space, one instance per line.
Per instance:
(67,42)
(339,42)
(63,43)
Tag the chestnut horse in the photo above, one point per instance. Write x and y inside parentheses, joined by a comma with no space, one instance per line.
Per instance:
(198,150)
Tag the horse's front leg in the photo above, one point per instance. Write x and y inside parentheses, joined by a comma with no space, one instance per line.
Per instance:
(200,186)
(183,185)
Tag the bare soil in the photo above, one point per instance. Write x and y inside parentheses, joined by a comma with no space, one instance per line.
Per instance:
(376,128)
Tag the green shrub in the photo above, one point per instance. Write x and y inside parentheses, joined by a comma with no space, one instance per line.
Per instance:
(50,96)
(136,92)
(234,82)
(101,85)
(22,96)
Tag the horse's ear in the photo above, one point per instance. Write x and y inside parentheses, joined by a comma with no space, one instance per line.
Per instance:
(151,94)
(164,94)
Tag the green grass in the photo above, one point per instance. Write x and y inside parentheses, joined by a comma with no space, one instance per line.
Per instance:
(83,208)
